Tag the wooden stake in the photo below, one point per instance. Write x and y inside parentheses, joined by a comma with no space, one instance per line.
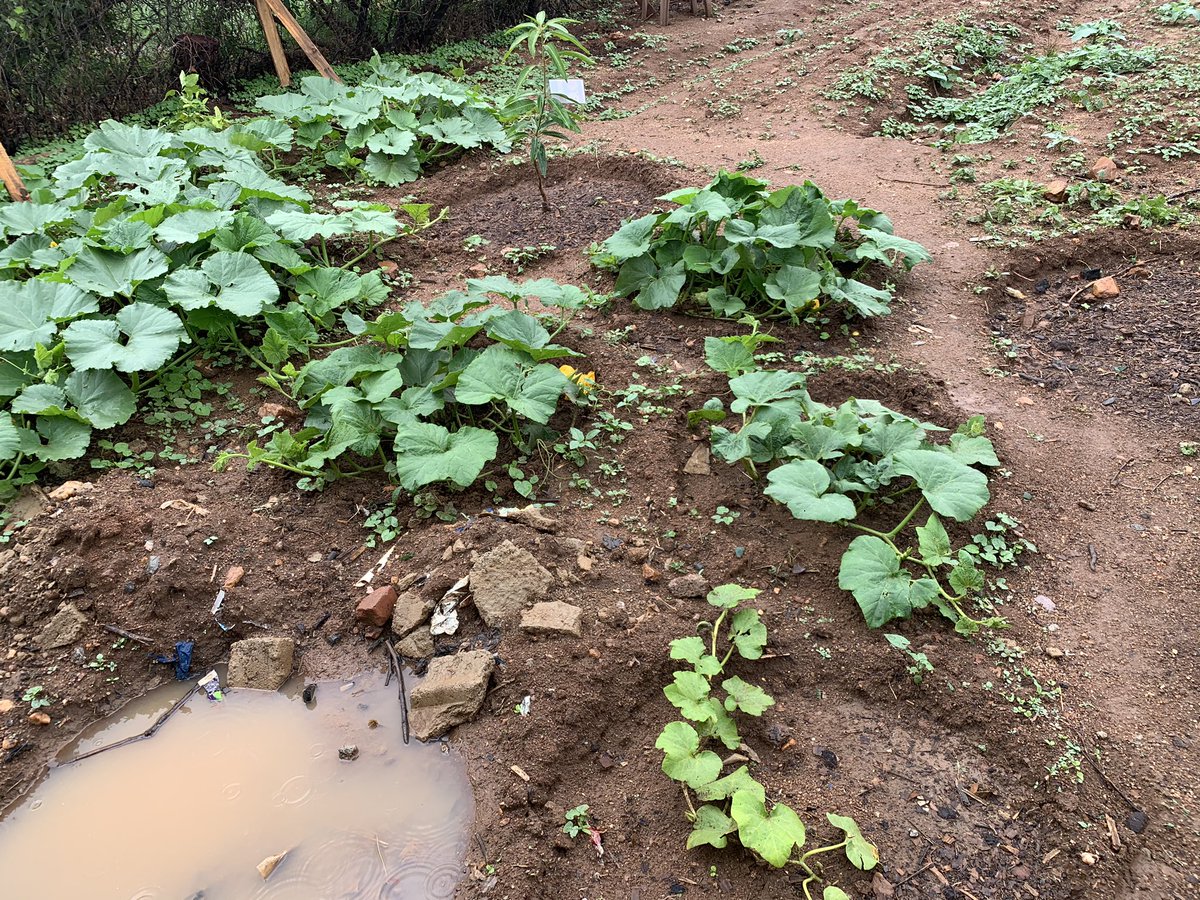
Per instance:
(271,30)
(12,181)
(314,54)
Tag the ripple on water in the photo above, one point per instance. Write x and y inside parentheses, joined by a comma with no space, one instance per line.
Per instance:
(262,775)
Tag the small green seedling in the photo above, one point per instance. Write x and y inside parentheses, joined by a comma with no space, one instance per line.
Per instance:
(36,697)
(724,516)
(536,111)
(921,666)
(576,821)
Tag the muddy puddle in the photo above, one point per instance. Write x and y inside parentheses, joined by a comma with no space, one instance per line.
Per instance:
(189,813)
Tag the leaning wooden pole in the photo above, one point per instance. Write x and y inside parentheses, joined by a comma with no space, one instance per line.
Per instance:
(274,43)
(268,12)
(12,180)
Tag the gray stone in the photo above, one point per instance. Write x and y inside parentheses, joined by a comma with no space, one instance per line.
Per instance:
(699,462)
(410,611)
(451,692)
(417,645)
(261,663)
(64,629)
(504,581)
(552,618)
(688,587)
(530,516)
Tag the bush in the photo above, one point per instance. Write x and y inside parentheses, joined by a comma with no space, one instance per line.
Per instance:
(79,61)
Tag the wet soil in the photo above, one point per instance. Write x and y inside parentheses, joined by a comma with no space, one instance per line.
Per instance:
(1057,759)
(1136,354)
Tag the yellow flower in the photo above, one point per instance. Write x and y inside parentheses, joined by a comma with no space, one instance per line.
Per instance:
(585,380)
(54,243)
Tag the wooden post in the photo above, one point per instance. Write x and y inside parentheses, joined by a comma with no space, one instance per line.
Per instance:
(314,54)
(12,181)
(271,30)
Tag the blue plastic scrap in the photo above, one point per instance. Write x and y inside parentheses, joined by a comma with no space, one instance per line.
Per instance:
(182,660)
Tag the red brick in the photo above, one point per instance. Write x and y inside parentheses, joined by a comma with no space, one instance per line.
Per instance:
(376,608)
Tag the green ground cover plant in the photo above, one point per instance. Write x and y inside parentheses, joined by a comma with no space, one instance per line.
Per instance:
(424,393)
(736,246)
(387,127)
(148,247)
(710,701)
(859,462)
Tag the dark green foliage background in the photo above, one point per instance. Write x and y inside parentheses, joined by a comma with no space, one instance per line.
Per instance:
(64,62)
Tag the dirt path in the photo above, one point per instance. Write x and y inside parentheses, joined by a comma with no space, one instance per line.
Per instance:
(1111,504)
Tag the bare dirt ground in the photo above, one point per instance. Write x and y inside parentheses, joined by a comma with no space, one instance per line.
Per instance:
(1057,759)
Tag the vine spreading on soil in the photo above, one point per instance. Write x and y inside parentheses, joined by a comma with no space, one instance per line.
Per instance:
(860,459)
(735,805)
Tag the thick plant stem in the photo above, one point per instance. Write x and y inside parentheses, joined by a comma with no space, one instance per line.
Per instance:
(904,522)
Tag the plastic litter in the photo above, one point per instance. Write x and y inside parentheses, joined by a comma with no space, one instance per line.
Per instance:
(182,659)
(445,615)
(211,685)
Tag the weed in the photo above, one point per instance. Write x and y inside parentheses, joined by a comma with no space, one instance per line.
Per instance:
(36,697)
(576,821)
(919,664)
(520,257)
(725,516)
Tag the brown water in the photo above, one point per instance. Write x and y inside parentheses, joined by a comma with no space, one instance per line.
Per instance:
(190,812)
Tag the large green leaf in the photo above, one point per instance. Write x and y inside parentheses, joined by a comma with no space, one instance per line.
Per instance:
(748,633)
(16,371)
(656,287)
(10,438)
(689,693)
(865,300)
(57,438)
(871,571)
(772,835)
(40,398)
(739,779)
(727,596)
(30,312)
(761,388)
(501,374)
(191,225)
(796,286)
(728,357)
(950,487)
(32,218)
(152,336)
(107,273)
(683,760)
(802,484)
(933,542)
(973,450)
(694,650)
(632,239)
(889,249)
(393,170)
(101,397)
(426,453)
(235,282)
